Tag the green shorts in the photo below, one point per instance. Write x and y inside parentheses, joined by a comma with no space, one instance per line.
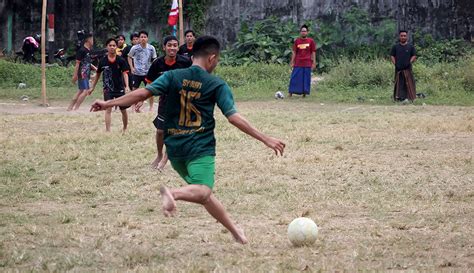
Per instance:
(197,171)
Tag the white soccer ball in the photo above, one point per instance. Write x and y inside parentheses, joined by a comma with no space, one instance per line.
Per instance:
(279,95)
(302,231)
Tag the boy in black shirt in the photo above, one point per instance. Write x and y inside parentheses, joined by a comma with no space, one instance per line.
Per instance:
(134,40)
(170,61)
(82,72)
(115,80)
(187,49)
(403,55)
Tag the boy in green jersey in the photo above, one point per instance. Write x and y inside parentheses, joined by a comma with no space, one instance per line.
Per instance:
(192,94)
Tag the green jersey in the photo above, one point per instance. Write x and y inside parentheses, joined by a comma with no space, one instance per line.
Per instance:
(192,94)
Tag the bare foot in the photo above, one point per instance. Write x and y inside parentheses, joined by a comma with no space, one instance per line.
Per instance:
(156,162)
(239,237)
(169,205)
(124,131)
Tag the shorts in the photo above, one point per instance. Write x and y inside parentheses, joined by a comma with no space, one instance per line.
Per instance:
(83,84)
(137,80)
(114,95)
(197,171)
(159,121)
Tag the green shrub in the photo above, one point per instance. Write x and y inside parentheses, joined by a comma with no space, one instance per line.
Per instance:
(361,80)
(356,72)
(255,81)
(467,73)
(11,74)
(351,34)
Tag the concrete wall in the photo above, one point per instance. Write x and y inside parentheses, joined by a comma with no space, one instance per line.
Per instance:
(442,18)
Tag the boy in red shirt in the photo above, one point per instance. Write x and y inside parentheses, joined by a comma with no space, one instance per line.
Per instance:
(303,60)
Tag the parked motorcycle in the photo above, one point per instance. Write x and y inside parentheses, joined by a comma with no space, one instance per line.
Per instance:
(59,58)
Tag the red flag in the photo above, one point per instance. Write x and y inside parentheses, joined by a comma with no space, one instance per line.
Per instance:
(174,12)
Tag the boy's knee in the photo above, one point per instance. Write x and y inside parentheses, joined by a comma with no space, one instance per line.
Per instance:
(160,132)
(205,195)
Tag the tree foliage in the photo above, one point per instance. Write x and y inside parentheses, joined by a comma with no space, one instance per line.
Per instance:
(106,16)
(351,33)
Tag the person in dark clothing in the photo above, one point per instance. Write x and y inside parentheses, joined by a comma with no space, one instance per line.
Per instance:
(82,72)
(187,48)
(403,55)
(134,40)
(115,81)
(170,61)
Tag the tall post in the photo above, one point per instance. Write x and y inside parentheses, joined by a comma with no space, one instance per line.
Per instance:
(51,47)
(181,26)
(43,54)
(10,31)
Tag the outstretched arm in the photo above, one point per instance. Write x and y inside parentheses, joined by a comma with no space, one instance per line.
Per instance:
(129,99)
(94,82)
(240,122)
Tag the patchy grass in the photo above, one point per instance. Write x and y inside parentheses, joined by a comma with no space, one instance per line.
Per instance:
(389,186)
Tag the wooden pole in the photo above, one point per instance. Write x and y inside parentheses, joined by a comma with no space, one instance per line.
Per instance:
(43,54)
(181,26)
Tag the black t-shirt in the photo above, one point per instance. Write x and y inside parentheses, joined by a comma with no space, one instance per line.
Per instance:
(84,56)
(403,54)
(159,66)
(185,51)
(113,74)
(125,52)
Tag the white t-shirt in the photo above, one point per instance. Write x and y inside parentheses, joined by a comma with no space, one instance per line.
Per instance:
(142,58)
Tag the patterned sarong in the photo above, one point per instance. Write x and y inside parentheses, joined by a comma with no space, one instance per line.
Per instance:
(405,87)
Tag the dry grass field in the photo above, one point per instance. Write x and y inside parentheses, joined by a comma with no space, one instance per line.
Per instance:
(391,188)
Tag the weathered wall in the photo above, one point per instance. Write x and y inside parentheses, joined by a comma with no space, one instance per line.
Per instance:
(71,16)
(443,18)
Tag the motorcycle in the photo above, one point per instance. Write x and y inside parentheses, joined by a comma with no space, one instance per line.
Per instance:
(59,58)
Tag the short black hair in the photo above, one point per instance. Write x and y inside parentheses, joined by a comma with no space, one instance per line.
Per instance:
(205,46)
(110,40)
(120,36)
(142,32)
(402,30)
(87,37)
(169,38)
(304,26)
(189,31)
(133,35)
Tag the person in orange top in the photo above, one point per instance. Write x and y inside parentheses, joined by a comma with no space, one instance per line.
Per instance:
(187,49)
(115,81)
(303,60)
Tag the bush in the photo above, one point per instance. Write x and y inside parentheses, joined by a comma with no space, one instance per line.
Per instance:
(356,72)
(468,74)
(431,51)
(351,34)
(11,74)
(255,81)
(356,80)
